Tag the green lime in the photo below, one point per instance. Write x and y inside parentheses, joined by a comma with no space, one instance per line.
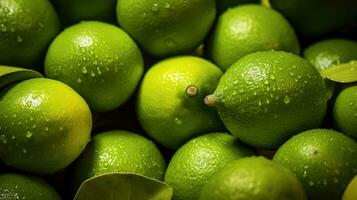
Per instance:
(331,52)
(345,111)
(44,125)
(170,101)
(193,164)
(100,61)
(119,151)
(351,190)
(17,186)
(317,17)
(26,30)
(72,12)
(323,160)
(254,178)
(246,29)
(266,97)
(164,28)
(223,5)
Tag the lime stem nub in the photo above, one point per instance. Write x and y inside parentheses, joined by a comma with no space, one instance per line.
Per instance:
(191,91)
(210,100)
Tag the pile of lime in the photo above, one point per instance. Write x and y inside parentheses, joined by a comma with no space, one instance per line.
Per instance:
(178,99)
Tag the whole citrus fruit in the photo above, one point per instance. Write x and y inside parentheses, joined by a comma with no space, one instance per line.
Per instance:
(100,61)
(164,28)
(196,161)
(119,151)
(170,100)
(266,97)
(26,30)
(44,125)
(246,29)
(323,160)
(17,186)
(254,178)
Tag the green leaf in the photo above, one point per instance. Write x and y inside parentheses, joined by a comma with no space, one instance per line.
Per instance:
(343,73)
(10,75)
(123,186)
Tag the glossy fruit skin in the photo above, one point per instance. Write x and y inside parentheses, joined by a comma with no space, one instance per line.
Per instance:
(323,160)
(196,161)
(26,30)
(167,28)
(266,97)
(98,60)
(313,18)
(164,109)
(351,190)
(45,125)
(246,29)
(254,178)
(18,186)
(331,52)
(72,12)
(345,112)
(118,151)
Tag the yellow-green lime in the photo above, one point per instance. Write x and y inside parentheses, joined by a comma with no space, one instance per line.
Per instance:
(254,178)
(345,111)
(315,18)
(323,160)
(165,28)
(118,151)
(266,97)
(197,160)
(246,29)
(98,60)
(44,125)
(72,12)
(170,100)
(351,190)
(25,187)
(26,30)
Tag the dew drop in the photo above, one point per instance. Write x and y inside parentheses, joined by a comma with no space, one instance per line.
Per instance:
(311,183)
(28,134)
(266,82)
(79,80)
(167,5)
(155,7)
(3,28)
(234,93)
(46,128)
(3,139)
(84,70)
(92,74)
(19,39)
(178,121)
(287,99)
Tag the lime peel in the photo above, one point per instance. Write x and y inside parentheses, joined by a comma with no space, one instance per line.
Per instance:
(343,73)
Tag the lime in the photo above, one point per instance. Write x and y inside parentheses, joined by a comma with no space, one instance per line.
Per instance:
(351,190)
(246,29)
(324,161)
(72,12)
(170,27)
(331,52)
(317,17)
(44,125)
(17,186)
(193,164)
(254,178)
(26,30)
(223,5)
(345,111)
(266,97)
(119,151)
(170,101)
(100,61)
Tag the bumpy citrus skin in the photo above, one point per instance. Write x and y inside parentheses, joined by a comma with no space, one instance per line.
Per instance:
(44,125)
(196,161)
(313,17)
(100,61)
(266,97)
(164,109)
(331,52)
(164,28)
(26,30)
(351,190)
(254,178)
(345,111)
(223,5)
(119,151)
(246,29)
(17,186)
(323,160)
(75,11)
